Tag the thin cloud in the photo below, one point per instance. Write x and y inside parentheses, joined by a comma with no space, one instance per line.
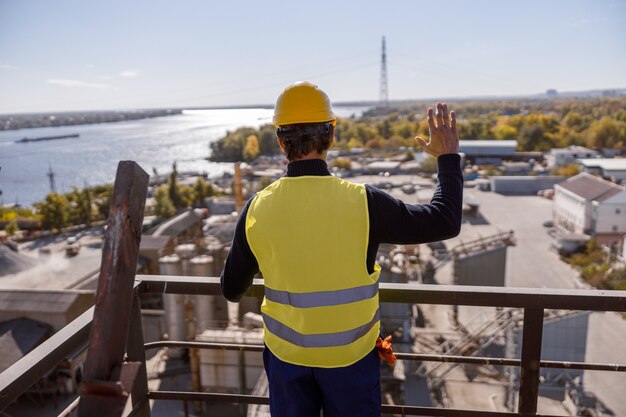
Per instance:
(584,22)
(129,73)
(8,67)
(76,83)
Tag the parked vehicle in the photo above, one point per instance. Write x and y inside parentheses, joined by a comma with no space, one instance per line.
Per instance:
(72,247)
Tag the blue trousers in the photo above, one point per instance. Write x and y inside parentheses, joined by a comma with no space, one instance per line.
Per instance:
(302,391)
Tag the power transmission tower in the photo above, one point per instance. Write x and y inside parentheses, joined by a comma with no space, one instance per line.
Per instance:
(384,93)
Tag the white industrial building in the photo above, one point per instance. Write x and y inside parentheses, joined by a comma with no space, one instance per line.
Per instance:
(590,205)
(565,156)
(613,169)
(609,218)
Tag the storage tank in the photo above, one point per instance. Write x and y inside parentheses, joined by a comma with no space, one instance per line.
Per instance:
(230,371)
(220,309)
(202,266)
(173,304)
(216,250)
(185,251)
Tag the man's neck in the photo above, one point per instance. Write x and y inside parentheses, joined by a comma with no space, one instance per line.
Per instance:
(311,155)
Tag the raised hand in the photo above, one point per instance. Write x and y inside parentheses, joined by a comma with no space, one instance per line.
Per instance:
(444,138)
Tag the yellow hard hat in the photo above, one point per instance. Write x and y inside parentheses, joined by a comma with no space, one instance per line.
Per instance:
(302,102)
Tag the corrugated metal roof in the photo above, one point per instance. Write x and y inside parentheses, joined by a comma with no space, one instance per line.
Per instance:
(48,301)
(590,187)
(18,337)
(178,224)
(150,242)
(12,262)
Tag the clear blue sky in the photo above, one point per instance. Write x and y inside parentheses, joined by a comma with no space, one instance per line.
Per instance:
(110,54)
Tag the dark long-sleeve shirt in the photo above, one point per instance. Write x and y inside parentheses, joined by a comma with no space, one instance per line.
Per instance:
(391,221)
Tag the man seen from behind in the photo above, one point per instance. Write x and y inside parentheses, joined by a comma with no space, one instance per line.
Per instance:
(314,237)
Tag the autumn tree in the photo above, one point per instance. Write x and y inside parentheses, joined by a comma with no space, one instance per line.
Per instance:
(251,150)
(342,163)
(607,133)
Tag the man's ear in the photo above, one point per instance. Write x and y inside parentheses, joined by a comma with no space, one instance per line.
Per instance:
(281,144)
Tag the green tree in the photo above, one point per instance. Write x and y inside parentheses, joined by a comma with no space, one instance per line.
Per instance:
(201,190)
(533,138)
(251,150)
(55,211)
(384,128)
(101,195)
(80,203)
(11,228)
(163,206)
(268,143)
(173,189)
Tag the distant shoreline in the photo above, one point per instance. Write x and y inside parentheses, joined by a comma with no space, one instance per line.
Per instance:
(37,120)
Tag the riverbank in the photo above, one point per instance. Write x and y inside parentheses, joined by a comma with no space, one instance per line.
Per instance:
(33,120)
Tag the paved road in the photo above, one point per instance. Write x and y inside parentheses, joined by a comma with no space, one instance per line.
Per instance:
(57,271)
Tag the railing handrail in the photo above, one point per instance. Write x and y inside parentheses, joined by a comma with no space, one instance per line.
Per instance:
(28,370)
(412,293)
(476,360)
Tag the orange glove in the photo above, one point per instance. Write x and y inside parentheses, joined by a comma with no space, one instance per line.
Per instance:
(385,350)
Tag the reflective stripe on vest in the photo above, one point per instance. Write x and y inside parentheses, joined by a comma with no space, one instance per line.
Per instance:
(318,340)
(310,237)
(322,298)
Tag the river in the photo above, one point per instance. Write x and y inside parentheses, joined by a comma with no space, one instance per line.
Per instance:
(92,158)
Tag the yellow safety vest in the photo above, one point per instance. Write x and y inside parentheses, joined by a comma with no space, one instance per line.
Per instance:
(310,236)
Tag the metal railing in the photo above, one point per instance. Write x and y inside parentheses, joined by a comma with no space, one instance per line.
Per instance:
(18,378)
(115,370)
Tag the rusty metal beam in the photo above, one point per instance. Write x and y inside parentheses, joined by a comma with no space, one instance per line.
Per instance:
(103,392)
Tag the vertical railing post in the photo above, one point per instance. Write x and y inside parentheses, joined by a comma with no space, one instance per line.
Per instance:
(107,380)
(531,355)
(137,353)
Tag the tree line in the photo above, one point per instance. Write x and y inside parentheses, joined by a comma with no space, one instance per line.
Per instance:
(84,207)
(537,125)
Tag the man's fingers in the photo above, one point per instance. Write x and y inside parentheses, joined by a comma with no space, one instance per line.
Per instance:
(439,114)
(446,118)
(453,120)
(431,119)
(423,141)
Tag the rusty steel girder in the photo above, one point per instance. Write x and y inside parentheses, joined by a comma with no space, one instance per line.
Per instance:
(108,381)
